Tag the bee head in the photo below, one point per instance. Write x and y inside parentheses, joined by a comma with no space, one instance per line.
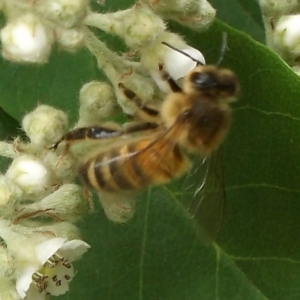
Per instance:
(211,81)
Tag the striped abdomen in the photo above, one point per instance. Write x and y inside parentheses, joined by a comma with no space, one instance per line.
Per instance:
(134,166)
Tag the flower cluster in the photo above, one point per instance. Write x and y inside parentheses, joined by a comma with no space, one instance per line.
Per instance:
(34,26)
(282,27)
(38,185)
(39,207)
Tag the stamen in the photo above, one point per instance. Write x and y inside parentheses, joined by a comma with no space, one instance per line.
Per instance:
(40,281)
(66,264)
(58,283)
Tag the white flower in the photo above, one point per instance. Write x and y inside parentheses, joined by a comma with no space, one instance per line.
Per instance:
(54,270)
(29,174)
(174,62)
(287,34)
(26,39)
(42,264)
(178,65)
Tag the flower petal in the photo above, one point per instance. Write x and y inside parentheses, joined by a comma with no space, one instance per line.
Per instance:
(178,65)
(46,249)
(58,283)
(73,250)
(34,294)
(24,281)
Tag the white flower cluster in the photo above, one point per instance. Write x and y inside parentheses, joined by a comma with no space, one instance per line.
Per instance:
(282,26)
(38,184)
(143,29)
(33,27)
(39,206)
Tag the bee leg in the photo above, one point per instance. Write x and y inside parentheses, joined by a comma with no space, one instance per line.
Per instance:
(166,76)
(63,155)
(140,127)
(83,133)
(89,197)
(79,134)
(150,113)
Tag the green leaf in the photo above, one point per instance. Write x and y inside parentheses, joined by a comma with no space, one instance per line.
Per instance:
(243,15)
(56,83)
(9,129)
(159,255)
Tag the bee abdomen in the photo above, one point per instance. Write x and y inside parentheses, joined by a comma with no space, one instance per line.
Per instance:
(114,170)
(134,166)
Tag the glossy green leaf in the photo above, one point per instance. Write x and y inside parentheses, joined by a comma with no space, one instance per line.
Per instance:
(9,129)
(57,83)
(159,255)
(243,15)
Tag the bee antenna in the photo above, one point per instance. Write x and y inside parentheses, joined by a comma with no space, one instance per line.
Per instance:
(224,48)
(182,52)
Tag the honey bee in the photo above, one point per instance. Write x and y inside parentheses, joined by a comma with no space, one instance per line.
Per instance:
(192,119)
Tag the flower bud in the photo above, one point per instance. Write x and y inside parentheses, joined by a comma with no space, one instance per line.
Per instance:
(139,26)
(287,34)
(55,229)
(65,204)
(45,125)
(62,229)
(8,150)
(62,168)
(97,103)
(30,175)
(118,208)
(178,65)
(69,39)
(6,262)
(278,8)
(174,62)
(7,289)
(9,193)
(26,39)
(67,13)
(194,13)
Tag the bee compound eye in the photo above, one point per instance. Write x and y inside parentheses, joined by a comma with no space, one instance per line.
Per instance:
(204,80)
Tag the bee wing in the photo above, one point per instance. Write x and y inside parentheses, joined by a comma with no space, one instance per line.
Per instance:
(119,207)
(203,194)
